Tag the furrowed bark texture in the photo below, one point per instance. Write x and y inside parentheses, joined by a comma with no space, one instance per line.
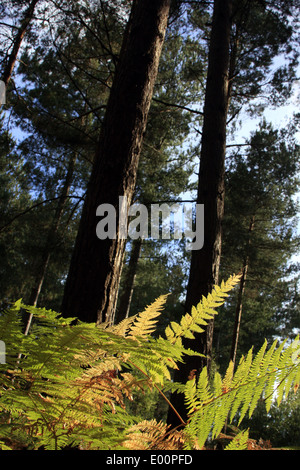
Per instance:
(204,271)
(123,309)
(92,284)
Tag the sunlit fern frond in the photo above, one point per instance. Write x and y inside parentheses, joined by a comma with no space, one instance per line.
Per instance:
(122,328)
(145,322)
(69,383)
(272,372)
(153,435)
(197,319)
(239,442)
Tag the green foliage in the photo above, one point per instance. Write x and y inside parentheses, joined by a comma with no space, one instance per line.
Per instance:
(262,180)
(67,383)
(238,393)
(239,442)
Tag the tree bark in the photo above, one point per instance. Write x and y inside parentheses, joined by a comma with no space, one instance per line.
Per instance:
(204,271)
(239,306)
(94,275)
(28,15)
(122,311)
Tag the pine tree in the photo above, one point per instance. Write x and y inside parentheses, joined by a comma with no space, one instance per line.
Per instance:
(205,262)
(94,275)
(14,195)
(261,183)
(60,118)
(11,57)
(240,46)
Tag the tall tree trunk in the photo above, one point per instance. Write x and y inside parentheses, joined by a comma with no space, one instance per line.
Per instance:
(12,57)
(204,271)
(94,275)
(51,241)
(125,300)
(239,306)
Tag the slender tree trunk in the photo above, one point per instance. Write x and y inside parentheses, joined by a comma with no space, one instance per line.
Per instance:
(12,57)
(51,240)
(239,306)
(204,271)
(125,300)
(94,275)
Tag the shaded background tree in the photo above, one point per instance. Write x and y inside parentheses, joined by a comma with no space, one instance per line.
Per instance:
(261,188)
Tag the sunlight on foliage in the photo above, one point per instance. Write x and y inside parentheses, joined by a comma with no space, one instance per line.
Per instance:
(68,383)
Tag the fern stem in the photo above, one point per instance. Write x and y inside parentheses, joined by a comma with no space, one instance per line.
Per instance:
(183,423)
(282,380)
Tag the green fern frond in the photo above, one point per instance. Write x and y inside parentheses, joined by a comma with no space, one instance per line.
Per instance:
(239,442)
(190,395)
(270,372)
(65,381)
(195,321)
(227,381)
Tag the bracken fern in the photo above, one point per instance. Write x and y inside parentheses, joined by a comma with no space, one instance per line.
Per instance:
(67,383)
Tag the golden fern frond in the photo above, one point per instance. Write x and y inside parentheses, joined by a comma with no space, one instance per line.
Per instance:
(153,435)
(122,328)
(104,383)
(101,389)
(144,323)
(144,435)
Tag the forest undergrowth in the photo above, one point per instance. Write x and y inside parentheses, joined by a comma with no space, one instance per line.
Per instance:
(70,384)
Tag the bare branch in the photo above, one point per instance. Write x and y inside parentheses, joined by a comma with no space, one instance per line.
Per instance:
(34,206)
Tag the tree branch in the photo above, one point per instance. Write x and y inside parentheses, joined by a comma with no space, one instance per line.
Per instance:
(46,201)
(185,108)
